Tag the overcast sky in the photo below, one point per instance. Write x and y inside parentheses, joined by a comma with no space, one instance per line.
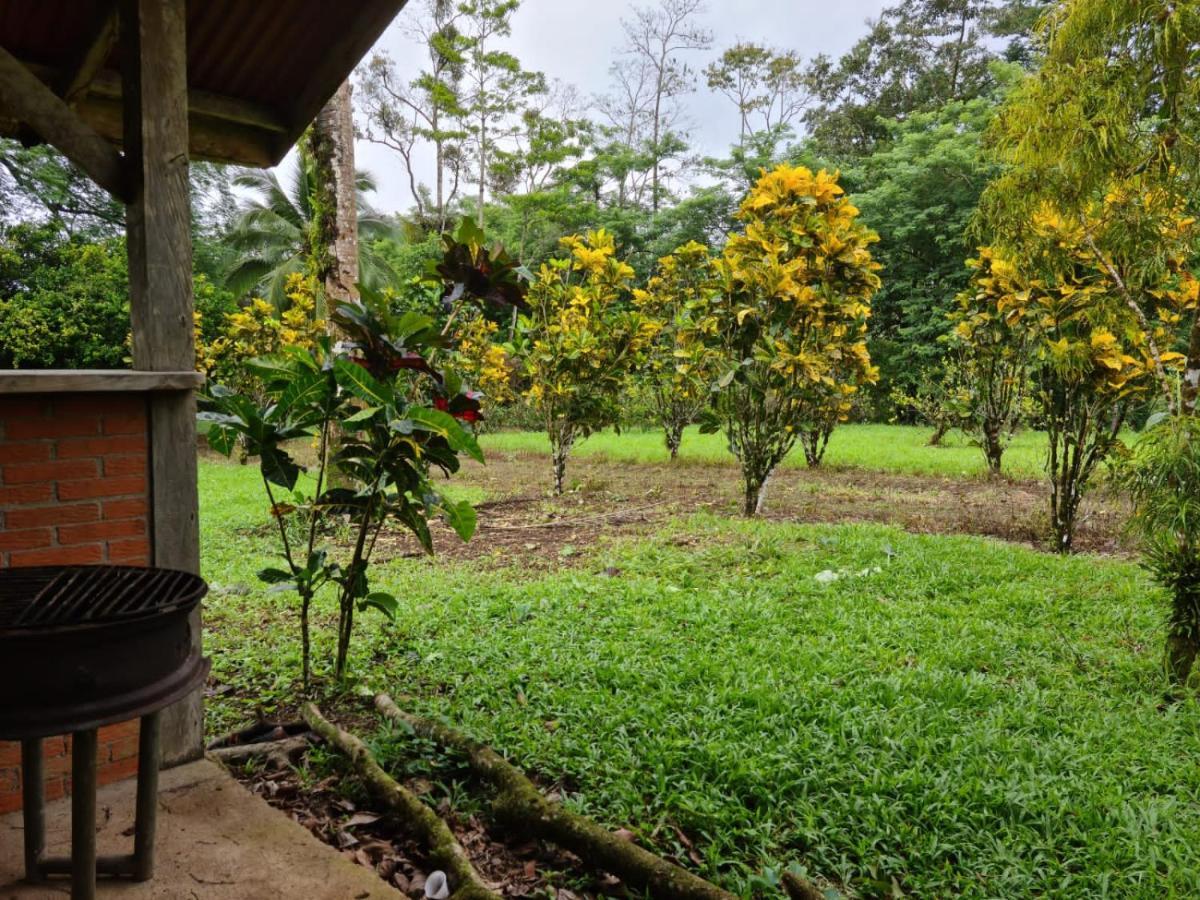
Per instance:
(576,40)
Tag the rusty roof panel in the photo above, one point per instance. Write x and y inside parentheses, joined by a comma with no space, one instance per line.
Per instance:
(282,56)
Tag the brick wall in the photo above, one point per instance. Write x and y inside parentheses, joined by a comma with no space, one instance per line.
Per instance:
(73,490)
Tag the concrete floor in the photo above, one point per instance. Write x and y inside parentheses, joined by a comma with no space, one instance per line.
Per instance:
(215,840)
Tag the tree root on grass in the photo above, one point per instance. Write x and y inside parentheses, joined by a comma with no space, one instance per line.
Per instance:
(520,805)
(423,823)
(275,754)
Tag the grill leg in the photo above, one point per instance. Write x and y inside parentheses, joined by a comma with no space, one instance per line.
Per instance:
(147,798)
(33,806)
(83,815)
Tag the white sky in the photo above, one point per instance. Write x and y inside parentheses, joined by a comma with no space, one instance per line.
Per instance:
(575,41)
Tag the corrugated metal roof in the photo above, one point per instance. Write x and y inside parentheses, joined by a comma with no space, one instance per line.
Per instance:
(258,70)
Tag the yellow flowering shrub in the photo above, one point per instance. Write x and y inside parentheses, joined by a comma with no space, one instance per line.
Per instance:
(790,320)
(259,330)
(484,363)
(678,370)
(583,343)
(1095,331)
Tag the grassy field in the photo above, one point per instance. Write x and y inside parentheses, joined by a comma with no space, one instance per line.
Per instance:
(943,716)
(891,448)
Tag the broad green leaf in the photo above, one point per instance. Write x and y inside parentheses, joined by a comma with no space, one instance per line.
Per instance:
(381,601)
(461,517)
(438,422)
(362,384)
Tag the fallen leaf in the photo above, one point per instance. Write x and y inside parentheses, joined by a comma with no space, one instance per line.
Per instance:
(362,818)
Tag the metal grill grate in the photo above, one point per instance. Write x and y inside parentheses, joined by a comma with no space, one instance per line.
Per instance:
(72,595)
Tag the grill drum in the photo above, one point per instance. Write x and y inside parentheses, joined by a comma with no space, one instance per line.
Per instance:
(85,646)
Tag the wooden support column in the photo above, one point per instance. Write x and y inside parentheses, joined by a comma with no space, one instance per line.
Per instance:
(158,226)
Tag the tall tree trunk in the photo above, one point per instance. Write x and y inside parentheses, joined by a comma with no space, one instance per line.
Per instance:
(482,168)
(336,214)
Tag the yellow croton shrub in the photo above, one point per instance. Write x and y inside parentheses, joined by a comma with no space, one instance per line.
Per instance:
(790,319)
(483,362)
(260,330)
(679,369)
(584,341)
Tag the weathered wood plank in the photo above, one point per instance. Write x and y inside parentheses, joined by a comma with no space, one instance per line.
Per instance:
(90,55)
(74,381)
(25,98)
(158,225)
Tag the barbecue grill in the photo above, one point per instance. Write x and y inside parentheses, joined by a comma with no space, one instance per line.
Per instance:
(82,647)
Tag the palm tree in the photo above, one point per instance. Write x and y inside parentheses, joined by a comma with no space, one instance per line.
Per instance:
(272,233)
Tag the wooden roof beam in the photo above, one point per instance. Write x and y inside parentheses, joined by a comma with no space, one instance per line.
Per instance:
(25,98)
(90,55)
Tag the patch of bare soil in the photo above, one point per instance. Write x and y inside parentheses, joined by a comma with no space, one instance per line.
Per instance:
(524,524)
(376,840)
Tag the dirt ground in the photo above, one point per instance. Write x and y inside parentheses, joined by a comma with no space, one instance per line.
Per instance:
(521,519)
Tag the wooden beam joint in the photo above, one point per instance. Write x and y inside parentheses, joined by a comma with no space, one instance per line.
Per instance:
(25,98)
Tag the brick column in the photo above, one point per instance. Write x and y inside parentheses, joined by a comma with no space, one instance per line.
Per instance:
(73,490)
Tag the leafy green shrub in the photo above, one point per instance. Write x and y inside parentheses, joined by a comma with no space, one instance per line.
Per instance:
(64,302)
(1162,476)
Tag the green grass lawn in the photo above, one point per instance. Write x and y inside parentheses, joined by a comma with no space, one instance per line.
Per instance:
(891,448)
(951,715)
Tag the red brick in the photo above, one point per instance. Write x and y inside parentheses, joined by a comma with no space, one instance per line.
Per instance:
(54,746)
(128,728)
(74,426)
(57,766)
(38,451)
(66,514)
(10,753)
(101,487)
(26,494)
(123,748)
(56,789)
(125,423)
(58,470)
(132,552)
(100,531)
(117,769)
(72,448)
(106,402)
(24,407)
(81,555)
(125,509)
(124,465)
(9,802)
(25,538)
(10,780)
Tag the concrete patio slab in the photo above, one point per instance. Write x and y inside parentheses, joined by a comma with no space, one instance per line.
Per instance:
(216,841)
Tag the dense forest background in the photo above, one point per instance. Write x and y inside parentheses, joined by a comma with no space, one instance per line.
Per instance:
(902,115)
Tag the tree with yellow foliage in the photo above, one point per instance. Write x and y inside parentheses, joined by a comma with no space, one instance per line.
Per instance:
(584,342)
(679,371)
(992,352)
(789,322)
(1092,352)
(259,330)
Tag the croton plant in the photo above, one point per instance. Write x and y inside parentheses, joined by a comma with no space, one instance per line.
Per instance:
(381,418)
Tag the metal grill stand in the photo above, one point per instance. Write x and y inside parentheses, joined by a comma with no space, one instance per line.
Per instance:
(83,865)
(82,647)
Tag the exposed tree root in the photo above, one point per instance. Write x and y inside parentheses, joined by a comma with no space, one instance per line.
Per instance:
(275,754)
(520,805)
(424,824)
(798,888)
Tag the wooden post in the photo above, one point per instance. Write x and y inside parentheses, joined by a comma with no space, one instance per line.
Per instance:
(158,228)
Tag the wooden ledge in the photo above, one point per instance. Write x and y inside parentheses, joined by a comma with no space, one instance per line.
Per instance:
(92,381)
